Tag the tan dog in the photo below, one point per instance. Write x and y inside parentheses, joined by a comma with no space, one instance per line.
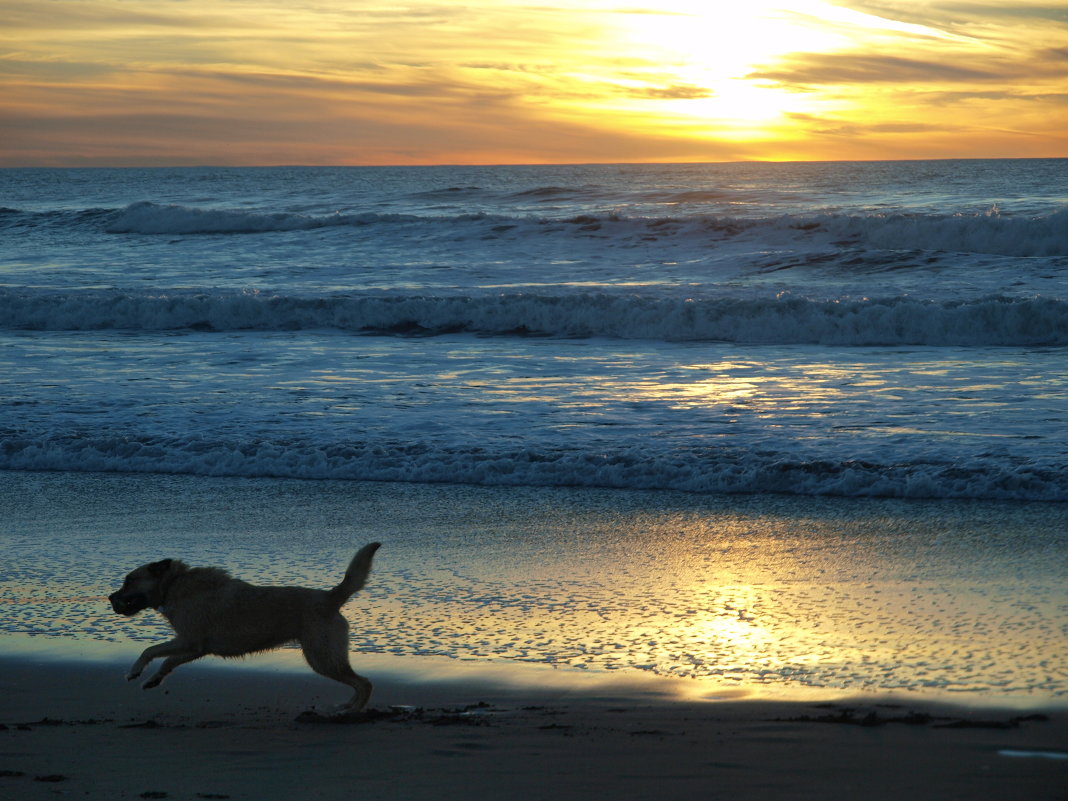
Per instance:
(212,613)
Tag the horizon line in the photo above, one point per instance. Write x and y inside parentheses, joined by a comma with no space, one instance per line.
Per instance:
(450,165)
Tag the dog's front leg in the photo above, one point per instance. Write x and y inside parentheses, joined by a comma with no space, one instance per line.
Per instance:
(170,648)
(169,664)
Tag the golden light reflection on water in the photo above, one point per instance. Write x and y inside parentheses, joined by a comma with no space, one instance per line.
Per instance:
(774,593)
(757,602)
(722,389)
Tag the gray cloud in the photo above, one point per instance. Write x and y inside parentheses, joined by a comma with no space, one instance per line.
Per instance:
(1055,12)
(674,92)
(846,68)
(823,126)
(959,14)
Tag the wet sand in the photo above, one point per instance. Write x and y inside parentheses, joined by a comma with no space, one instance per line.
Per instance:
(784,594)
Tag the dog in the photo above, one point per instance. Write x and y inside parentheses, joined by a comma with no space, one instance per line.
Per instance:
(213,613)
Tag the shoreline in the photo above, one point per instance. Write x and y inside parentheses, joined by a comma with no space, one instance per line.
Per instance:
(441,676)
(239,733)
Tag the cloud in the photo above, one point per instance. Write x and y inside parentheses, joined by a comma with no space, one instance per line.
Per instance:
(961,15)
(996,96)
(211,117)
(822,126)
(1052,12)
(851,68)
(675,92)
(49,71)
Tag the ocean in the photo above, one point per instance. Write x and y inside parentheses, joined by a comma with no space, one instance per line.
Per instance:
(790,425)
(862,329)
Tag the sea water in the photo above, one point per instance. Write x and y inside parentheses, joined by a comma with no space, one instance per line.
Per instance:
(671,361)
(865,329)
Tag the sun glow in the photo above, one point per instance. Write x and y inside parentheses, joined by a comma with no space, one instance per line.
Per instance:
(696,56)
(721,42)
(492,81)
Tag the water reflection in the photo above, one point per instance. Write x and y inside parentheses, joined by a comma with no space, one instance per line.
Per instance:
(768,592)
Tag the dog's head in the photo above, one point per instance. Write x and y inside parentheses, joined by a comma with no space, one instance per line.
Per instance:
(142,588)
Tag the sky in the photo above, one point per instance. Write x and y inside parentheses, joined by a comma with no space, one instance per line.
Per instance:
(244,82)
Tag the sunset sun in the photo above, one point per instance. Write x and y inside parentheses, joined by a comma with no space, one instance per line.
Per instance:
(699,58)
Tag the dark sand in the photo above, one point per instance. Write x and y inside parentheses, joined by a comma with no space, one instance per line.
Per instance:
(227,731)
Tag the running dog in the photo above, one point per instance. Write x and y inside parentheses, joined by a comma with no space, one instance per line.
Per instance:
(213,613)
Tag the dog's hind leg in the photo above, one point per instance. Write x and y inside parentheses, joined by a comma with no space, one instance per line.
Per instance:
(327,651)
(176,653)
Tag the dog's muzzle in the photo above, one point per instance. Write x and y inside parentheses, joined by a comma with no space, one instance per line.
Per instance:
(128,604)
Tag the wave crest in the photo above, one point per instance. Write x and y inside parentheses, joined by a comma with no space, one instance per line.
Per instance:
(989,233)
(639,467)
(153,218)
(775,320)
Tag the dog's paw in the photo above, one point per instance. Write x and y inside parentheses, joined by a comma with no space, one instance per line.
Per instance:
(133,674)
(152,682)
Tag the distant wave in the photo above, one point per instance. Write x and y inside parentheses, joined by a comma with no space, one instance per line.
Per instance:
(772,320)
(638,467)
(986,233)
(991,233)
(154,218)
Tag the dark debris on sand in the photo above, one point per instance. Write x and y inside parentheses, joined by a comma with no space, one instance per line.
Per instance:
(851,717)
(472,715)
(30,724)
(147,724)
(52,778)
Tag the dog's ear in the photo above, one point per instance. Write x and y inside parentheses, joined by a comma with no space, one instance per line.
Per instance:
(161,567)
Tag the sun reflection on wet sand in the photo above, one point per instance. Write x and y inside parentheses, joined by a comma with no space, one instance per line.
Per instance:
(773,595)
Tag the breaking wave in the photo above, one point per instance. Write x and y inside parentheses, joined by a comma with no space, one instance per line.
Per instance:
(783,319)
(989,233)
(638,467)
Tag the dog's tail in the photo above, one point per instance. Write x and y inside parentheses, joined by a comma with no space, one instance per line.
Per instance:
(355,576)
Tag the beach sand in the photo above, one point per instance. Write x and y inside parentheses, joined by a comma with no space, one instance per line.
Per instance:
(690,647)
(78,729)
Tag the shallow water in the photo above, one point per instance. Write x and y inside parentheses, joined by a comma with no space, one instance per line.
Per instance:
(699,417)
(774,592)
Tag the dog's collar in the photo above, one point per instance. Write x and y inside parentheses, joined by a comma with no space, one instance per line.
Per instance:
(164,590)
